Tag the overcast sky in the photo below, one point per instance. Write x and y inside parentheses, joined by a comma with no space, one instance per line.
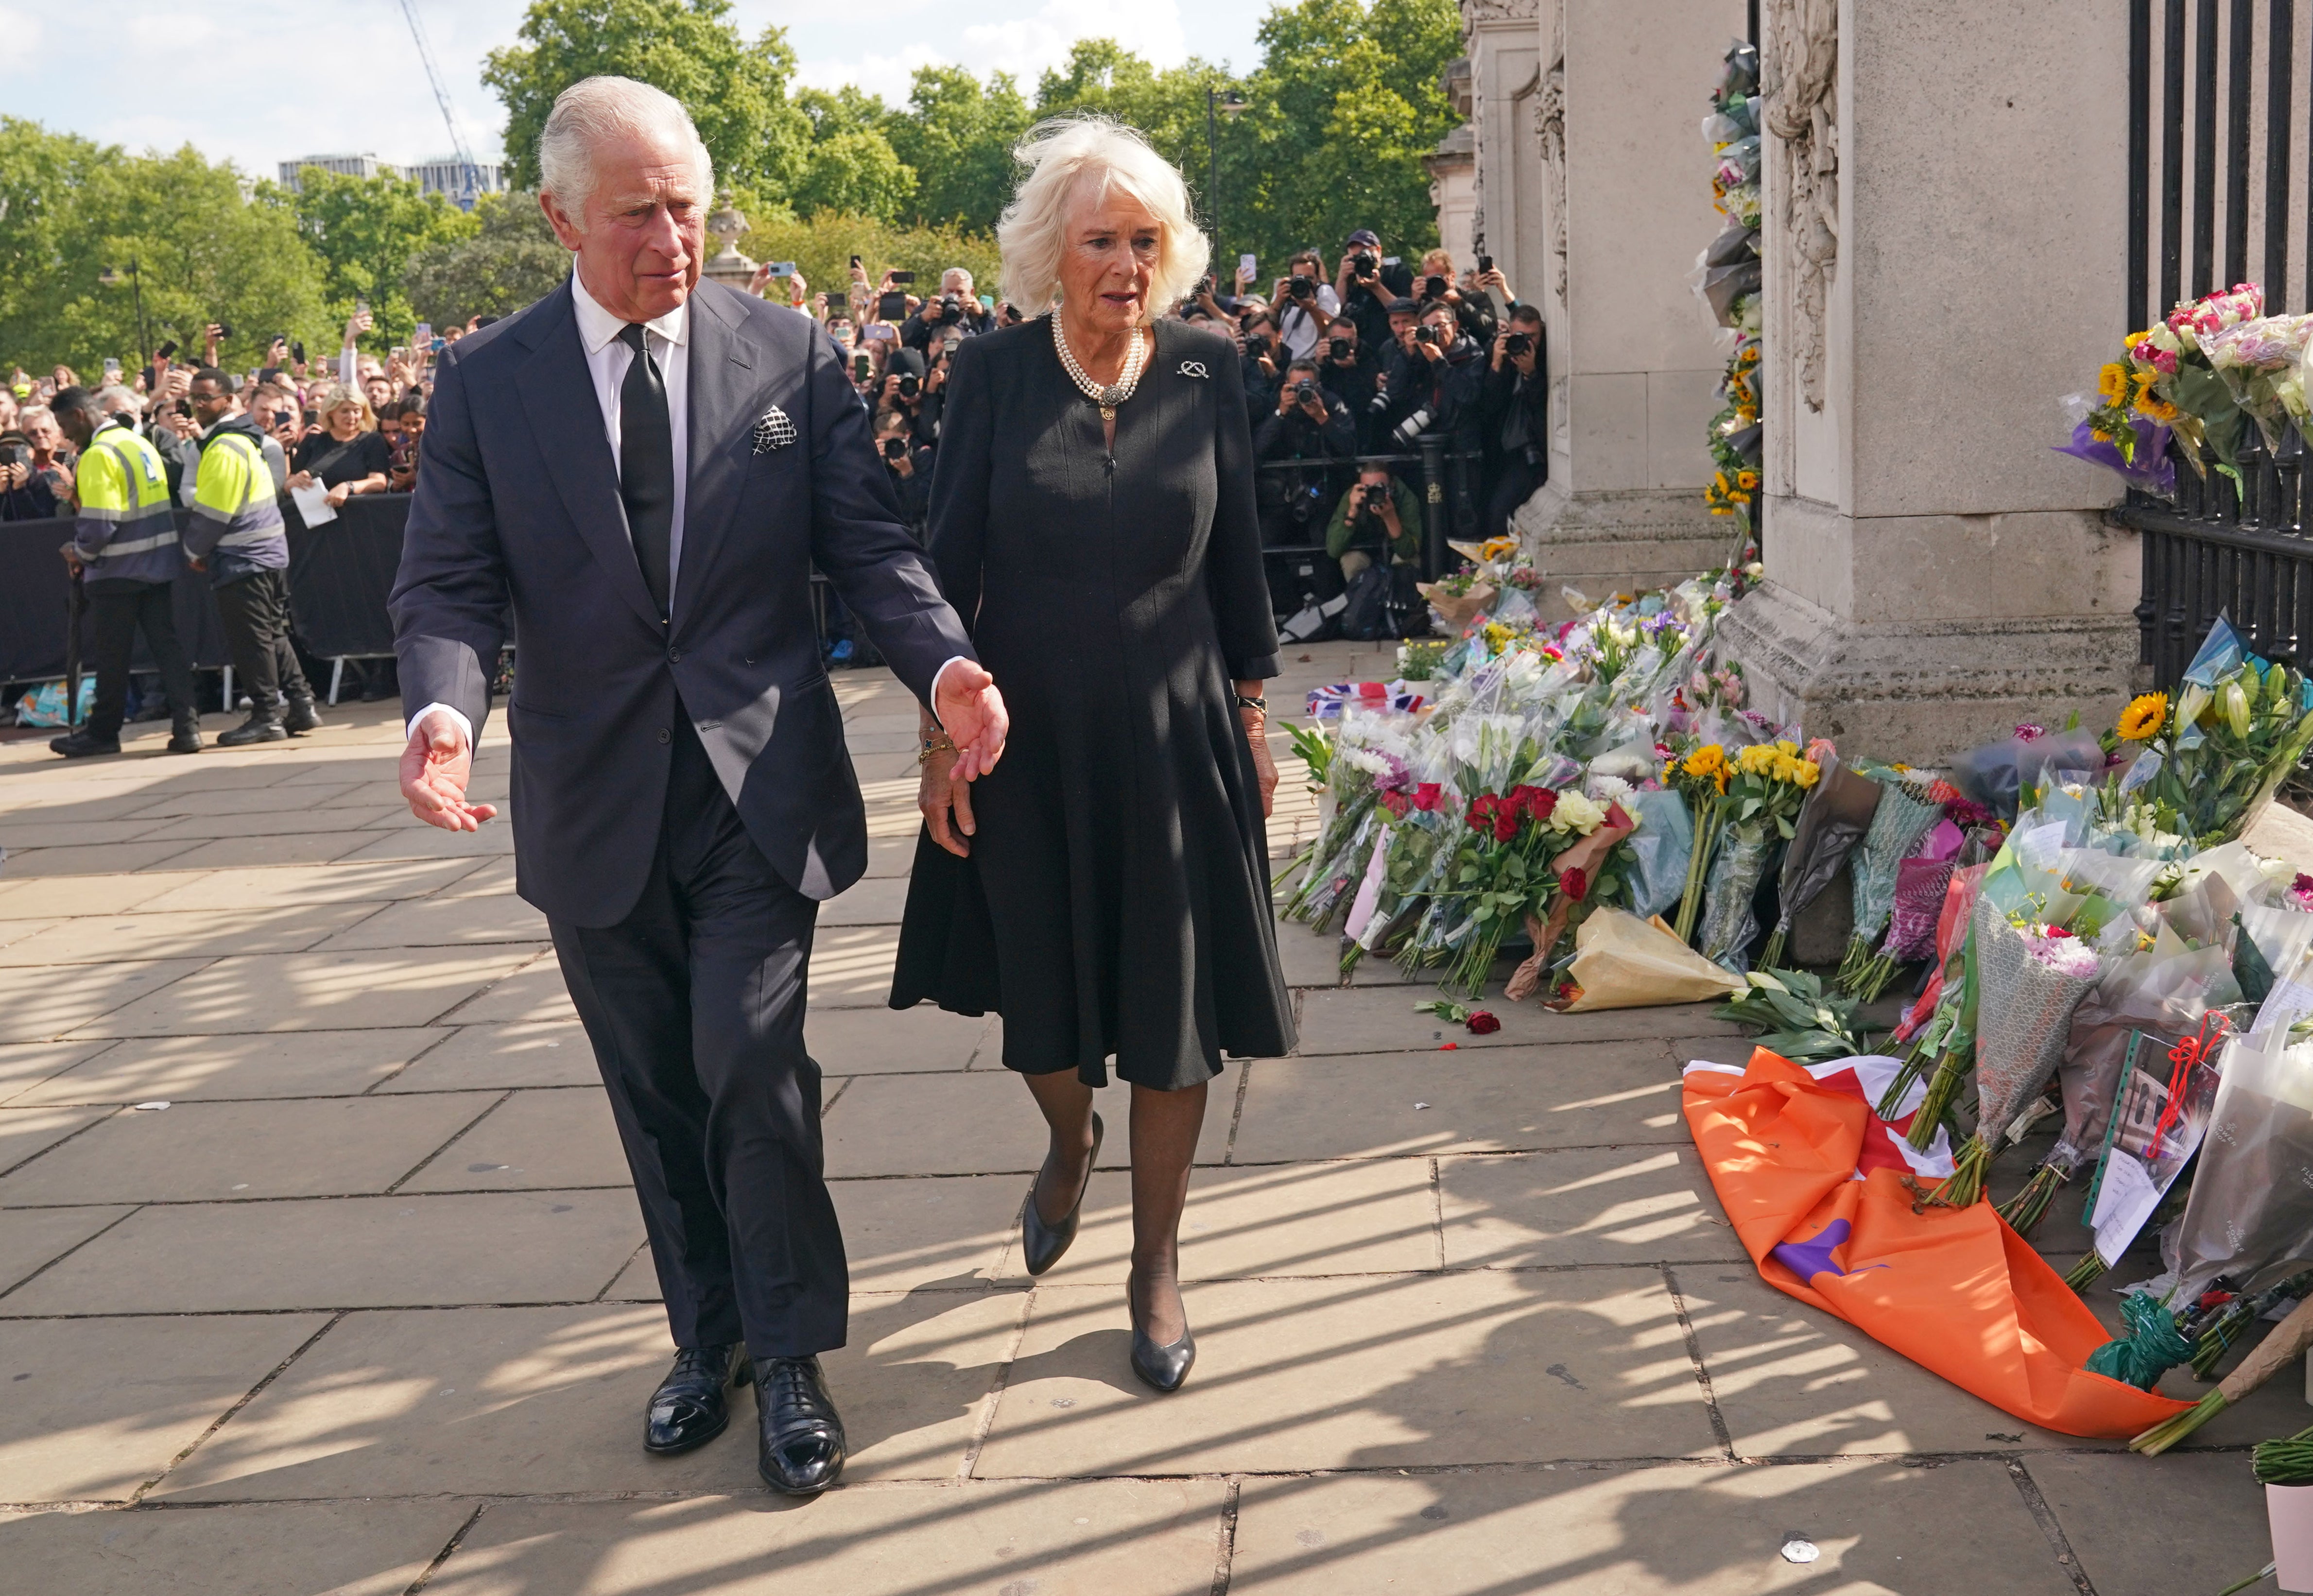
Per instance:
(344,76)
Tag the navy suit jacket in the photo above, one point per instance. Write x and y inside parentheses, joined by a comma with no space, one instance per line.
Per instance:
(517,509)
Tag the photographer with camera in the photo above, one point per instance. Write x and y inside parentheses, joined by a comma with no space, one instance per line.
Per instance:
(902,390)
(24,494)
(1377,521)
(1305,302)
(1474,311)
(955,307)
(1432,374)
(1514,415)
(1366,287)
(908,467)
(1351,372)
(1261,357)
(1307,425)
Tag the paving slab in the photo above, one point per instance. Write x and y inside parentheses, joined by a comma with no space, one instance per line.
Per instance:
(466,1057)
(535,1140)
(889,855)
(1714,1531)
(387,987)
(1365,1105)
(27,1133)
(286,796)
(974,1122)
(1793,1381)
(213,1152)
(1382,1020)
(177,1069)
(290,885)
(534,991)
(851,966)
(19,833)
(446,922)
(2207,1529)
(294,820)
(97,1406)
(33,1238)
(355,1253)
(1095,1538)
(185,935)
(541,1400)
(370,1548)
(32,896)
(874,900)
(101,859)
(1583,1205)
(246,853)
(1308,960)
(431,842)
(41,1004)
(871,1041)
(1376,1217)
(24,1066)
(1375,1371)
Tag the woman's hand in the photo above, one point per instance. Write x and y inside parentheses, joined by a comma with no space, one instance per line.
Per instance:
(946,803)
(301,479)
(1265,767)
(336,496)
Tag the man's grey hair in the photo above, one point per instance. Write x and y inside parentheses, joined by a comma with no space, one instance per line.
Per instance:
(595,108)
(114,400)
(956,272)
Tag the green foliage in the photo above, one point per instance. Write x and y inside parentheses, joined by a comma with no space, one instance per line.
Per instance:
(1804,1023)
(205,253)
(736,92)
(821,247)
(856,172)
(957,138)
(512,259)
(365,232)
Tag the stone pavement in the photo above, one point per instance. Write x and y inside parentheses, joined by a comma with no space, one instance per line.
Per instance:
(319,1273)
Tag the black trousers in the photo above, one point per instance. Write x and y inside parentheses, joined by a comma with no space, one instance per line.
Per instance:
(255,610)
(694,1004)
(116,611)
(1512,484)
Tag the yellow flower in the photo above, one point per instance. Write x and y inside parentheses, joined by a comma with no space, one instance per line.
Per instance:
(2153,408)
(1758,760)
(2112,384)
(2141,721)
(1710,759)
(1805,773)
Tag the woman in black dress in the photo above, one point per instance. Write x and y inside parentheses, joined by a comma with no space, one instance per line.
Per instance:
(1106,889)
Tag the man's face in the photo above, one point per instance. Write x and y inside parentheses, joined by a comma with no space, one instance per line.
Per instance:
(210,402)
(43,433)
(640,238)
(958,283)
(277,418)
(1442,323)
(79,426)
(840,331)
(380,392)
(1399,321)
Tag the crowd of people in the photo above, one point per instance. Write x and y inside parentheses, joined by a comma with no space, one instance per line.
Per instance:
(1344,371)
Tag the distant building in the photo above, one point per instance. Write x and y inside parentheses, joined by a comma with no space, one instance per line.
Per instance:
(351,166)
(458,181)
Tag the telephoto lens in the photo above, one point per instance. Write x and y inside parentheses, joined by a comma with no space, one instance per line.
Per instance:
(909,386)
(1412,427)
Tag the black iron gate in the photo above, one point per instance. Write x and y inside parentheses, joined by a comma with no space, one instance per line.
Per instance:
(2218,170)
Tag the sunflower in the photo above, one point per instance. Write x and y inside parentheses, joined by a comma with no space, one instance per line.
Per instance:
(1710,759)
(1746,480)
(2153,408)
(2112,384)
(2141,721)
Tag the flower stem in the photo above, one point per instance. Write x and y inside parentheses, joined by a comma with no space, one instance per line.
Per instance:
(2169,1432)
(2025,1210)
(1772,956)
(2085,1273)
(1966,1186)
(1951,1072)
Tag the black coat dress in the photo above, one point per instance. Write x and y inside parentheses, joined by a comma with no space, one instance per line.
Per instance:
(1116,899)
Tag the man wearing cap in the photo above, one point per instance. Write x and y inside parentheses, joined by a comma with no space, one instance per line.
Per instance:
(1366,287)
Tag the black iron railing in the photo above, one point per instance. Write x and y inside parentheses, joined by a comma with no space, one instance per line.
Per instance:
(2225,143)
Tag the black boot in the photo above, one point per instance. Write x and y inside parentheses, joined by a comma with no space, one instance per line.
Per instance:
(81,744)
(302,716)
(691,1405)
(802,1447)
(263,726)
(185,737)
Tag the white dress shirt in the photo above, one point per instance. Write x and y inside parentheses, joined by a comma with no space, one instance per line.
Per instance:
(668,338)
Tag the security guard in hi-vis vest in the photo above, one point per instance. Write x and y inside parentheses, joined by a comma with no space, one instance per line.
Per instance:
(236,536)
(124,545)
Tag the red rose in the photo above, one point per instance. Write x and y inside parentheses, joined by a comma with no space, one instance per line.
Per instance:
(1573,883)
(2054,931)
(1425,796)
(1397,803)
(1482,1023)
(1506,822)
(1541,803)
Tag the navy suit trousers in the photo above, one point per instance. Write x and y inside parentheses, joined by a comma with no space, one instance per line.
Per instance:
(694,1004)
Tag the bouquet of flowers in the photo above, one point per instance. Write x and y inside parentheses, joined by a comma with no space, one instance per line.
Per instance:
(2214,758)
(1803,1022)
(2261,362)
(1903,816)
(1702,776)
(2208,418)
(1833,820)
(1770,783)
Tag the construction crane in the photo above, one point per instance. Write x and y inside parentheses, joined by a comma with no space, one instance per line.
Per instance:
(442,97)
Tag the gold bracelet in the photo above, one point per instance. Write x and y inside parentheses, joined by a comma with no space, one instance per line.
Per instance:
(942,743)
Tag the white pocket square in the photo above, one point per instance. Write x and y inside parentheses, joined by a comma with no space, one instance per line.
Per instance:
(773,430)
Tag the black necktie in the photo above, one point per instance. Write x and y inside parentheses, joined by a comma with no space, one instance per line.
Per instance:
(647,466)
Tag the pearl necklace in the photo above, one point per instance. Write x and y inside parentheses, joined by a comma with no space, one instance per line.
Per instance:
(1108,398)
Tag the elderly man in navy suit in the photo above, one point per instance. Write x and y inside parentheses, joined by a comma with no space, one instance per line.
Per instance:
(644,468)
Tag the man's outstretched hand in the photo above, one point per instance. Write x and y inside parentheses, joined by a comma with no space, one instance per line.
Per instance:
(434,770)
(971,711)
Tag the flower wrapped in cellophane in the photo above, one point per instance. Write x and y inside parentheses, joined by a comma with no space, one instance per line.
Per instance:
(2214,759)
(1769,784)
(2261,362)
(1833,820)
(1905,812)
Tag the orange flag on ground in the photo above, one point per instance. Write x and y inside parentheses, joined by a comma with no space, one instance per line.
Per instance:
(1805,1167)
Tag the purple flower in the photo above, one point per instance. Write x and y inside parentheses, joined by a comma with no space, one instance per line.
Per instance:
(2029,732)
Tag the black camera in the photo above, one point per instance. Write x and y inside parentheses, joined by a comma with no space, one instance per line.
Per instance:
(1339,348)
(951,307)
(224,331)
(1371,497)
(1304,387)
(895,448)
(297,351)
(1435,287)
(1518,343)
(1365,263)
(1301,288)
(909,385)
(16,454)
(1426,334)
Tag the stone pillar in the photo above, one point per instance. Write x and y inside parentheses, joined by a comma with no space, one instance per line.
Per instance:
(1454,190)
(1505,77)
(1621,90)
(1945,210)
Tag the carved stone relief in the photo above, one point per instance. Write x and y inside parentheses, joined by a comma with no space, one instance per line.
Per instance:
(1799,74)
(1549,128)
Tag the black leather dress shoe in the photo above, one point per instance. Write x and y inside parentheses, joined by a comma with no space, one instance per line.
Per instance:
(1042,1245)
(802,1451)
(1165,1368)
(80,745)
(691,1407)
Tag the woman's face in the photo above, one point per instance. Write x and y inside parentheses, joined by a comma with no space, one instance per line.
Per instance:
(1109,261)
(345,421)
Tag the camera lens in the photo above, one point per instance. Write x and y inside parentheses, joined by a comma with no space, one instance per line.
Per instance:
(908,386)
(1339,348)
(893,448)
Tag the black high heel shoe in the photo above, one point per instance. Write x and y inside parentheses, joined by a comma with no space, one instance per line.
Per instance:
(1164,1368)
(1042,1245)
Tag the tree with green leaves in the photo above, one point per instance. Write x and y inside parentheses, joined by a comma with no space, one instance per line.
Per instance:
(852,168)
(736,92)
(957,138)
(512,259)
(365,232)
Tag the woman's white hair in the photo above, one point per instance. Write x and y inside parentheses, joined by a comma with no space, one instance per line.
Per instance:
(596,108)
(1076,158)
